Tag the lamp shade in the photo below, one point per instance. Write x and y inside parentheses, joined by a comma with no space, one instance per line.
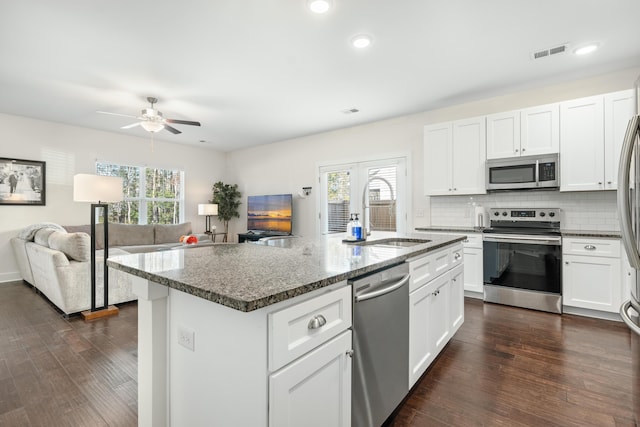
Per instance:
(96,188)
(207,209)
(151,126)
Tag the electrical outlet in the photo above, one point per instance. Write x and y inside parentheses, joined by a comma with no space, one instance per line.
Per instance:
(186,338)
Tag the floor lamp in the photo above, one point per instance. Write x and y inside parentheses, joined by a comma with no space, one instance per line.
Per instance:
(208,209)
(103,189)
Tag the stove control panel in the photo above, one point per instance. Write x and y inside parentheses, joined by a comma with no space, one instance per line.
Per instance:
(520,214)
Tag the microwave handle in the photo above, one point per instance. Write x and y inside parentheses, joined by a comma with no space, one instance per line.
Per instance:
(537,174)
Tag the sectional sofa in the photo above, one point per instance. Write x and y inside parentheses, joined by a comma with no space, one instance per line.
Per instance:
(56,259)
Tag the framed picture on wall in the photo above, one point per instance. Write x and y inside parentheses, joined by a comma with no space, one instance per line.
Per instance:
(22,182)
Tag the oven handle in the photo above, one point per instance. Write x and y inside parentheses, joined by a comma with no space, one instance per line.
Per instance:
(518,238)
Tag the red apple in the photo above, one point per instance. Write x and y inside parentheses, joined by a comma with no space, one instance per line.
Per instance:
(192,240)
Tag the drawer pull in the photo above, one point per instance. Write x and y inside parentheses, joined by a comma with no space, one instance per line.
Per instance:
(350,353)
(590,247)
(317,322)
(456,255)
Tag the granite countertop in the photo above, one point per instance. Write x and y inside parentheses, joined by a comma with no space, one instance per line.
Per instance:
(565,233)
(249,276)
(591,233)
(451,229)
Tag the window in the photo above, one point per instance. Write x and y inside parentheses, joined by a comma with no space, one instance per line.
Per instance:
(151,195)
(374,189)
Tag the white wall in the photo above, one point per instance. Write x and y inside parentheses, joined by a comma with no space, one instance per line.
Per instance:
(68,150)
(288,166)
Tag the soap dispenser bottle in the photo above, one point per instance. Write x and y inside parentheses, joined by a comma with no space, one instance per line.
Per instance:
(350,228)
(357,228)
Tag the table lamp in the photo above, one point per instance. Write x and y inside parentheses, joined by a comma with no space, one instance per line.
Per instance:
(103,189)
(207,209)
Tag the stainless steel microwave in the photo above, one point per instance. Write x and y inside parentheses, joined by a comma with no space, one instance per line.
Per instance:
(524,173)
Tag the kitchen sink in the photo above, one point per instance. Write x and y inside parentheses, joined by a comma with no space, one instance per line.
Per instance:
(393,242)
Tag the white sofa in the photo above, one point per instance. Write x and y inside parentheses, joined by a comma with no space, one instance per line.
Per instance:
(56,259)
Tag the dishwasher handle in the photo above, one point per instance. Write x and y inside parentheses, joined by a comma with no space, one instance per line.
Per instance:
(392,286)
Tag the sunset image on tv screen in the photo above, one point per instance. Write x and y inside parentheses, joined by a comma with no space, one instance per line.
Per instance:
(269,213)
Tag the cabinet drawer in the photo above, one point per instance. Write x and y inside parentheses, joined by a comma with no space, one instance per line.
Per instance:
(456,256)
(591,246)
(429,266)
(298,329)
(473,241)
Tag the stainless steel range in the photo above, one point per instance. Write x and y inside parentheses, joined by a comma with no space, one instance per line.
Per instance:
(522,253)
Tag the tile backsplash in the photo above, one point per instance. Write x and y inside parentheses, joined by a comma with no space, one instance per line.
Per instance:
(588,210)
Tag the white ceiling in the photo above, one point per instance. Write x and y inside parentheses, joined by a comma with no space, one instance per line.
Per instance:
(259,71)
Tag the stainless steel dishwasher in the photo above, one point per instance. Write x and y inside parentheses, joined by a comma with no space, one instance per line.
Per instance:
(381,344)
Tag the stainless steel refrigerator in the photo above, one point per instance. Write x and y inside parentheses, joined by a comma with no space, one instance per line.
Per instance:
(629,212)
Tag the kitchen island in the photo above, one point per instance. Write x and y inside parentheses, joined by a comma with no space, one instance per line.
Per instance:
(215,338)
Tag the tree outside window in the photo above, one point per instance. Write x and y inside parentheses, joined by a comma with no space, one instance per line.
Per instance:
(151,195)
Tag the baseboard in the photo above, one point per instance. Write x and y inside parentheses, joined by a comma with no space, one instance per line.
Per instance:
(10,277)
(476,295)
(597,314)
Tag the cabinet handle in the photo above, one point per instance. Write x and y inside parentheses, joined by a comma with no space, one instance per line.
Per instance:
(599,182)
(317,322)
(456,255)
(449,189)
(590,247)
(566,262)
(349,353)
(609,182)
(516,150)
(465,241)
(523,150)
(436,293)
(455,189)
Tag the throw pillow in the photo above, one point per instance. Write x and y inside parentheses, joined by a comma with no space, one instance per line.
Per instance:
(75,246)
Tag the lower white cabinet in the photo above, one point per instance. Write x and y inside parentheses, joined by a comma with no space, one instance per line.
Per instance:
(436,312)
(473,264)
(592,274)
(314,390)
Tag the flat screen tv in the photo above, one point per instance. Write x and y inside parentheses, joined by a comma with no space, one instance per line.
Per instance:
(270,213)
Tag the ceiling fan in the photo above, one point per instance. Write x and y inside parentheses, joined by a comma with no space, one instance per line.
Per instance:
(152,120)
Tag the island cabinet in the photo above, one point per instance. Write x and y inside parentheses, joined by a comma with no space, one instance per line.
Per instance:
(592,274)
(591,133)
(205,364)
(436,306)
(454,156)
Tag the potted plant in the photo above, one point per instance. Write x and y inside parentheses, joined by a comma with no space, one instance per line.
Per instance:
(227,197)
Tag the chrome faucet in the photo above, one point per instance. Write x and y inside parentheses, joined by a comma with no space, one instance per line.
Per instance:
(366,220)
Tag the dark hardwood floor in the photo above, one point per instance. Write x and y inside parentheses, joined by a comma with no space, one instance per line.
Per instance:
(505,367)
(508,366)
(65,372)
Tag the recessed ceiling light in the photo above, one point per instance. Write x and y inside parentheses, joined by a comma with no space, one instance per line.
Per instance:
(361,41)
(319,6)
(585,49)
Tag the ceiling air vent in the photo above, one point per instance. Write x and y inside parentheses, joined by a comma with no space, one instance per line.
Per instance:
(350,111)
(549,52)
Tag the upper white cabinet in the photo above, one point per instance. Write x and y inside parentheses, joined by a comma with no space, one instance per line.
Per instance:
(454,157)
(503,135)
(619,107)
(526,132)
(591,132)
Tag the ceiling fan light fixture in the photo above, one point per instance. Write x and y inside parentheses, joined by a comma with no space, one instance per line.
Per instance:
(152,127)
(319,6)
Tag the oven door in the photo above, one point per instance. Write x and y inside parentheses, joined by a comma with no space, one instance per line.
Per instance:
(524,262)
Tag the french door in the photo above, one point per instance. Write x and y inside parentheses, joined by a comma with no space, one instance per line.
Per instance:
(375,190)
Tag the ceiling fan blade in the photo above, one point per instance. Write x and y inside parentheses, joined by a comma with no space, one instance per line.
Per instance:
(117,114)
(132,125)
(182,122)
(172,129)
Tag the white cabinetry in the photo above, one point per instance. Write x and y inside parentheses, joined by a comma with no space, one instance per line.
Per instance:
(473,265)
(436,311)
(314,389)
(591,132)
(527,132)
(454,157)
(591,274)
